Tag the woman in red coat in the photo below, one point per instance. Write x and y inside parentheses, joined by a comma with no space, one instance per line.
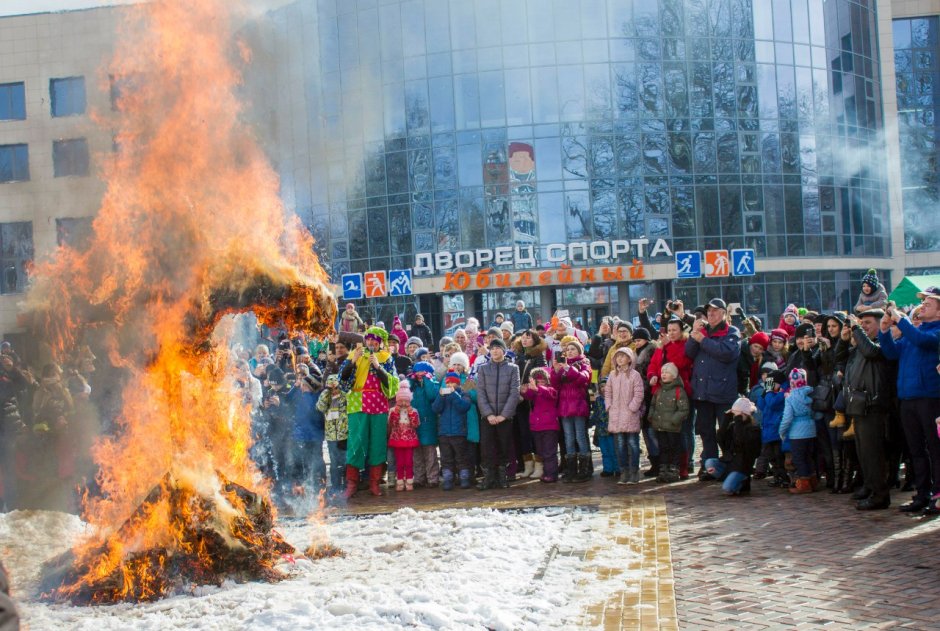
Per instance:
(673,350)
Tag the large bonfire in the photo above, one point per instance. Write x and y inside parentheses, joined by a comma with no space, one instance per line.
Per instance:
(191,228)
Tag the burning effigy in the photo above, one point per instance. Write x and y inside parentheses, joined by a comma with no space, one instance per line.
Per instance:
(191,228)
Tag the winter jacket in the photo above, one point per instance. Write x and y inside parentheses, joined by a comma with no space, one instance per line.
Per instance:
(609,360)
(797,419)
(597,352)
(423,331)
(349,322)
(403,364)
(623,396)
(403,434)
(473,415)
(521,320)
(309,422)
(867,370)
(451,410)
(529,358)
(543,400)
(739,439)
(424,395)
(715,362)
(876,300)
(333,408)
(671,352)
(805,360)
(572,381)
(917,351)
(402,335)
(670,407)
(498,389)
(771,409)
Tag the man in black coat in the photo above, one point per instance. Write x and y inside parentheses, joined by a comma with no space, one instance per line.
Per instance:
(422,330)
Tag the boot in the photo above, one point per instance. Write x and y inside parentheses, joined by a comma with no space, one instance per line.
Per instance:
(838,420)
(583,468)
(802,486)
(653,471)
(375,474)
(502,477)
(673,475)
(537,469)
(664,473)
(635,476)
(447,480)
(400,484)
(849,434)
(410,484)
(529,467)
(571,468)
(624,477)
(745,487)
(489,479)
(465,479)
(814,482)
(352,481)
(683,467)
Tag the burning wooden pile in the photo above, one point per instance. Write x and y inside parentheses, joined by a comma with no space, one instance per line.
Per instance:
(212,539)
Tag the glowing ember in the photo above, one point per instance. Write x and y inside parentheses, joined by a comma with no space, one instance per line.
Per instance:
(190,228)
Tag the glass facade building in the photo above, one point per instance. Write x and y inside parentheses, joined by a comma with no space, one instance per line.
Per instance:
(419,126)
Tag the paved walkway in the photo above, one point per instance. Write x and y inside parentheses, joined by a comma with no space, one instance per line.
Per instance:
(767,561)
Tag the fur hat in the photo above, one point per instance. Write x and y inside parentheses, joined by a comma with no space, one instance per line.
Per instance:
(797,378)
(760,338)
(672,369)
(743,406)
(459,359)
(539,372)
(404,392)
(871,279)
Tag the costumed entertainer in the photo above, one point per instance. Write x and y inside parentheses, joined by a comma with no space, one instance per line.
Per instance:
(368,378)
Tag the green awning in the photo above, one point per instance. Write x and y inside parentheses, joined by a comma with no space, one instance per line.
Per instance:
(905,294)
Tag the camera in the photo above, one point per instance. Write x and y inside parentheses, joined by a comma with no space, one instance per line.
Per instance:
(283,345)
(671,305)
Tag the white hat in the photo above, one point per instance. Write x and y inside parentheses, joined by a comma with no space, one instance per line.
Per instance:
(743,405)
(459,359)
(507,326)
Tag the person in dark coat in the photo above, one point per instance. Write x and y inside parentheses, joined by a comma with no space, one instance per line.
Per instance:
(529,350)
(739,435)
(423,331)
(868,391)
(714,347)
(520,318)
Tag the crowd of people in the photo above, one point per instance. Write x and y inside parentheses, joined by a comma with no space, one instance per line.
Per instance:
(837,399)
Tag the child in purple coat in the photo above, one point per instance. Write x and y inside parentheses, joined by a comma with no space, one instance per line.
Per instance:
(543,420)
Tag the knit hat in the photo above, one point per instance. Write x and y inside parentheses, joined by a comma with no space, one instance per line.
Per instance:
(424,367)
(797,378)
(768,367)
(792,310)
(452,379)
(760,338)
(349,304)
(404,392)
(497,342)
(779,334)
(802,311)
(539,372)
(396,321)
(507,326)
(520,303)
(572,341)
(459,359)
(871,279)
(418,316)
(742,405)
(414,340)
(498,315)
(444,341)
(495,331)
(642,334)
(670,368)
(421,352)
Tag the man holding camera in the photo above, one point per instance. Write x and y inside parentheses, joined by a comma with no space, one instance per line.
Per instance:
(919,392)
(714,347)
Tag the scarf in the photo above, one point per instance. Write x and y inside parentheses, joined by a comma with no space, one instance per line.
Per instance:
(362,368)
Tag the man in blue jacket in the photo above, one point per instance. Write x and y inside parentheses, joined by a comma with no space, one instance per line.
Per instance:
(919,392)
(714,347)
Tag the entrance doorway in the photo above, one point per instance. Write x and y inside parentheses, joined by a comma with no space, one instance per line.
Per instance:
(587,305)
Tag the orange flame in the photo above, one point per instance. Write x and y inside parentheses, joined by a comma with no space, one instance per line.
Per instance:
(191,227)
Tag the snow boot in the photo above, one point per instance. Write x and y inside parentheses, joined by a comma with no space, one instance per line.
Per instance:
(583,472)
(375,475)
(838,420)
(410,484)
(802,486)
(537,468)
(683,467)
(571,468)
(352,481)
(654,468)
(489,479)
(400,484)
(447,480)
(529,466)
(502,477)
(849,434)
(465,480)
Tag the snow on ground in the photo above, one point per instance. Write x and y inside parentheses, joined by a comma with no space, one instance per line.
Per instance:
(454,569)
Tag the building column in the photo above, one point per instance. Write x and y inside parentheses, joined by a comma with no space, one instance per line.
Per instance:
(546,303)
(623,302)
(470,306)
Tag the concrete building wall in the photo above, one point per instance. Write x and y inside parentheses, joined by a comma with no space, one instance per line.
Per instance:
(34,49)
